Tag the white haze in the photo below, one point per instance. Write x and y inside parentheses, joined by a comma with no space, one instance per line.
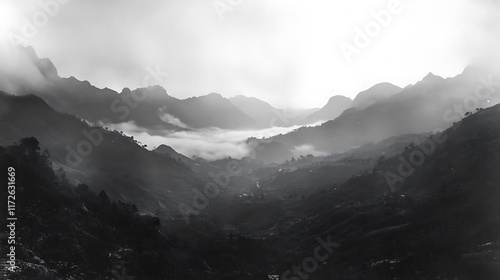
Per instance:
(171,119)
(282,51)
(209,143)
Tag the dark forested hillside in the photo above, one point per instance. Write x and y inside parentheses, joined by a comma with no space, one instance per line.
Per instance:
(70,232)
(249,140)
(95,156)
(439,220)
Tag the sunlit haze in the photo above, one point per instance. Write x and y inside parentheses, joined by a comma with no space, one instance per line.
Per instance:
(286,52)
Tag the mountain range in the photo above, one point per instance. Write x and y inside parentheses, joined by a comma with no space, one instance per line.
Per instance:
(153,108)
(106,160)
(431,104)
(441,220)
(398,183)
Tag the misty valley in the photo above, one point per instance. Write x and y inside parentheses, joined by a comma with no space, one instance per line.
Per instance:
(397,183)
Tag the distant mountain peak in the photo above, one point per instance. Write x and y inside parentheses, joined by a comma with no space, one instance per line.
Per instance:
(44,65)
(214,95)
(429,75)
(29,51)
(126,90)
(167,150)
(337,98)
(334,108)
(156,91)
(241,96)
(374,94)
(244,97)
(164,148)
(431,78)
(383,85)
(157,88)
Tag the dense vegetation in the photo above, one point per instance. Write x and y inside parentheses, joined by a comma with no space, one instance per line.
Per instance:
(70,232)
(443,221)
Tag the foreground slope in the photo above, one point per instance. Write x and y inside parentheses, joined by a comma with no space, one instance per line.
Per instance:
(440,221)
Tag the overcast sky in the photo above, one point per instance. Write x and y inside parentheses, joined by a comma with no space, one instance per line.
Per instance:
(286,52)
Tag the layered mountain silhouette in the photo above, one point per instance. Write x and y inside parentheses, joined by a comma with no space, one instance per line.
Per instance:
(335,107)
(439,220)
(408,188)
(374,94)
(261,111)
(106,160)
(269,116)
(432,103)
(167,150)
(338,104)
(153,108)
(149,107)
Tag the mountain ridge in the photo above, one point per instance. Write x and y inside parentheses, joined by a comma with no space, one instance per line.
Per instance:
(423,107)
(142,105)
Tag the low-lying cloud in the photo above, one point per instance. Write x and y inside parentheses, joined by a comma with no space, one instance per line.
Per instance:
(209,143)
(166,117)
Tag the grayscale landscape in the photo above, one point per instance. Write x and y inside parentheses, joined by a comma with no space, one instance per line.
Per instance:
(266,139)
